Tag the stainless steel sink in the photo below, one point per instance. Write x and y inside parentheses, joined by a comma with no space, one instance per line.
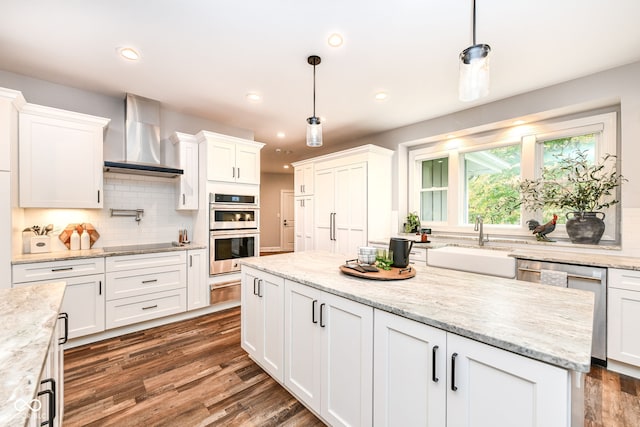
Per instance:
(143,247)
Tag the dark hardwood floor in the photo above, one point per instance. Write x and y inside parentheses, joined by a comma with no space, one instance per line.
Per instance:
(194,373)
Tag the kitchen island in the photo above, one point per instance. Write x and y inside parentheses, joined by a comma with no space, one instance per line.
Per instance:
(550,327)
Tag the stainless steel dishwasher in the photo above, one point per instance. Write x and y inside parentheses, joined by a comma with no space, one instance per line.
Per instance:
(593,279)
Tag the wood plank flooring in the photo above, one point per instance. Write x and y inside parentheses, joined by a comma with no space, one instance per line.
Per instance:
(194,373)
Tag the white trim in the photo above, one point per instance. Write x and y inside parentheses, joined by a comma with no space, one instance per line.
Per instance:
(271,249)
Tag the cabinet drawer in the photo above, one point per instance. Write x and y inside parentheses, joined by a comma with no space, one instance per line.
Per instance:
(138,309)
(624,279)
(123,284)
(54,270)
(418,255)
(131,262)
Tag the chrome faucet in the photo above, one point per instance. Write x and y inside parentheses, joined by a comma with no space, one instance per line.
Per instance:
(479,227)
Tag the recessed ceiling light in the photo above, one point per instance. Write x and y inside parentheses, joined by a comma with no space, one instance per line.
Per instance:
(286,166)
(281,134)
(381,96)
(519,122)
(254,97)
(450,136)
(335,40)
(129,53)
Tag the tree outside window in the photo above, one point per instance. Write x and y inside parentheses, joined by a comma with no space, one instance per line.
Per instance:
(433,191)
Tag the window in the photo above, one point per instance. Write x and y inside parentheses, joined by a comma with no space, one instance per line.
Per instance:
(433,191)
(490,178)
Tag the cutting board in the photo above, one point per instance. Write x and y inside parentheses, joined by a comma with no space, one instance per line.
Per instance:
(65,236)
(393,274)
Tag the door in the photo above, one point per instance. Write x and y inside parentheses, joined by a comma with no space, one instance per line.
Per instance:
(287,220)
(247,164)
(410,385)
(489,387)
(324,210)
(221,161)
(350,219)
(304,223)
(197,288)
(251,313)
(347,361)
(302,343)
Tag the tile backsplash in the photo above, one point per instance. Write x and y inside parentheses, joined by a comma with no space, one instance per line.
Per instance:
(160,221)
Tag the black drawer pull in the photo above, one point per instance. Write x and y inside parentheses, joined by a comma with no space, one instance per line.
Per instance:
(150,281)
(322,324)
(314,304)
(434,377)
(65,338)
(62,269)
(454,387)
(52,401)
(150,307)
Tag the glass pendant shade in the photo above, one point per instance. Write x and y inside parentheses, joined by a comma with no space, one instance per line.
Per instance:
(314,132)
(474,72)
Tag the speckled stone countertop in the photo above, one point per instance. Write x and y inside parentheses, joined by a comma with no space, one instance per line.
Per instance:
(596,260)
(545,323)
(102,252)
(27,324)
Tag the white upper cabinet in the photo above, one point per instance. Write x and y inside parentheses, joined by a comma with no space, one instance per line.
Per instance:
(231,159)
(10,102)
(186,147)
(60,158)
(303,179)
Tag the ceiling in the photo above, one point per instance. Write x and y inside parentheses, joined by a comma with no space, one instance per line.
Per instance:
(202,57)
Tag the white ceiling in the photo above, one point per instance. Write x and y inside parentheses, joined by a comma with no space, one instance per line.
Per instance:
(202,57)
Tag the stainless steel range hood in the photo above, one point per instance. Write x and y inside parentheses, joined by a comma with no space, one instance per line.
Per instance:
(142,141)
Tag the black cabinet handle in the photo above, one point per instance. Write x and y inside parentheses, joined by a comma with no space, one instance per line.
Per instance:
(100,287)
(313,311)
(98,196)
(190,260)
(454,387)
(260,288)
(255,279)
(183,199)
(150,307)
(65,317)
(52,401)
(322,324)
(434,351)
(150,281)
(61,269)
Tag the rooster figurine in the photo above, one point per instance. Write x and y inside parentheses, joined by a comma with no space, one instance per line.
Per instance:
(541,231)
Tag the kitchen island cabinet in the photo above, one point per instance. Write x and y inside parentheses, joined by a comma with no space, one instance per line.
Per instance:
(516,330)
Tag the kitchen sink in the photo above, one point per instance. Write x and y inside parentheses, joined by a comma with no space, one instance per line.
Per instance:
(493,262)
(143,247)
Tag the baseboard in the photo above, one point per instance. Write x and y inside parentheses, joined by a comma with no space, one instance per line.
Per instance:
(271,249)
(623,368)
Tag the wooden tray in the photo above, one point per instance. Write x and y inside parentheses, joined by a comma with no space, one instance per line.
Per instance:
(65,236)
(393,274)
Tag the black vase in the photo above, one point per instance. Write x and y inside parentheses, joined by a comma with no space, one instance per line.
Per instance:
(585,227)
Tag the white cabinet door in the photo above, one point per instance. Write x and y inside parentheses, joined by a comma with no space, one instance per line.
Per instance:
(489,387)
(60,155)
(263,320)
(304,223)
(188,161)
(624,316)
(221,161)
(248,164)
(324,210)
(197,288)
(347,361)
(5,229)
(302,343)
(303,180)
(84,301)
(409,374)
(350,220)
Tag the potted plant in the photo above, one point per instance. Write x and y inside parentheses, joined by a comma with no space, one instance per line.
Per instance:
(577,184)
(413,223)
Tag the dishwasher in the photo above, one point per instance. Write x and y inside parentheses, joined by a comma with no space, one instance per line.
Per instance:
(588,278)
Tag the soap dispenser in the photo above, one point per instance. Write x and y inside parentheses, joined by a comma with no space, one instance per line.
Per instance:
(85,239)
(74,242)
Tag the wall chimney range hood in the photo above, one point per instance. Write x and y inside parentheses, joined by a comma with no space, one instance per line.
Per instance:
(142,141)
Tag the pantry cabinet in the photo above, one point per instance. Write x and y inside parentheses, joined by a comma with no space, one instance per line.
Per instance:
(60,158)
(231,159)
(186,150)
(624,316)
(84,297)
(262,332)
(351,198)
(303,179)
(303,225)
(329,354)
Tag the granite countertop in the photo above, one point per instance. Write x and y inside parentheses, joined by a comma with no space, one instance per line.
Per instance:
(546,323)
(27,324)
(596,260)
(103,252)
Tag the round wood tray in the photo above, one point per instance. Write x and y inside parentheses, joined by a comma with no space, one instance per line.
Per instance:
(393,274)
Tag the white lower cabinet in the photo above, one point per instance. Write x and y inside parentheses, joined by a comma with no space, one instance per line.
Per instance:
(409,374)
(624,316)
(329,354)
(197,287)
(262,320)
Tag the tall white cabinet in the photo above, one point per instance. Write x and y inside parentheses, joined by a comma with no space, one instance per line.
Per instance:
(231,159)
(60,156)
(351,195)
(186,150)
(10,103)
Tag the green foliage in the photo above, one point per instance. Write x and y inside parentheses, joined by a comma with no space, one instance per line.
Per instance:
(573,183)
(413,222)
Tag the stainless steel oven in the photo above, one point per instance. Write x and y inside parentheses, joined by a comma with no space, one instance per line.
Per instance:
(226,247)
(233,212)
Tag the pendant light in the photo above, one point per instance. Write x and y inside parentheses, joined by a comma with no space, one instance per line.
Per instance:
(474,68)
(314,127)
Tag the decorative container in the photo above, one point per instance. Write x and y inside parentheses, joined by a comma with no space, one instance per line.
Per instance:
(585,227)
(40,244)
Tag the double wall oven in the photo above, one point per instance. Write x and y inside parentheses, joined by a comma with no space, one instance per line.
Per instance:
(233,230)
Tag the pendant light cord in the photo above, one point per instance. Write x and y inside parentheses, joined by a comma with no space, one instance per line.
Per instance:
(474,25)
(314,90)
